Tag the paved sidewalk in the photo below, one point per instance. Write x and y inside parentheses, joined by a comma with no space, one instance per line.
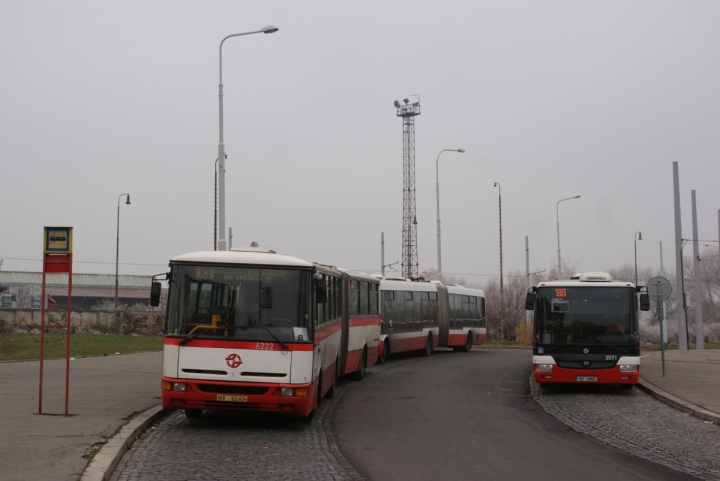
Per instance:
(104,393)
(691,382)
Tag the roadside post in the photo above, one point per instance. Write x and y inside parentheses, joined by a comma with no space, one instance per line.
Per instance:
(57,258)
(660,290)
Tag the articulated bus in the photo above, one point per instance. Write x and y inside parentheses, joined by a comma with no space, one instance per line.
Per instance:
(586,331)
(419,316)
(249,329)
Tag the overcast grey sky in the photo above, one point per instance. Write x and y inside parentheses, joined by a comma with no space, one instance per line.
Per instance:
(551,99)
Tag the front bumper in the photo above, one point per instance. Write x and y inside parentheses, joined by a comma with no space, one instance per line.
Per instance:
(265,397)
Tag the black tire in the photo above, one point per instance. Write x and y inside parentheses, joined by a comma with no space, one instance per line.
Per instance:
(545,385)
(331,392)
(309,417)
(427,352)
(626,387)
(468,344)
(319,391)
(360,373)
(193,413)
(386,352)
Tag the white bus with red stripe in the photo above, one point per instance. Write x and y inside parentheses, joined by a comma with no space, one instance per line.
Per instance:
(586,331)
(419,316)
(249,329)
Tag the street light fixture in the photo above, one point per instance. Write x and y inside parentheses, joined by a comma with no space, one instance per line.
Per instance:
(636,237)
(437,190)
(497,184)
(117,253)
(222,242)
(557,217)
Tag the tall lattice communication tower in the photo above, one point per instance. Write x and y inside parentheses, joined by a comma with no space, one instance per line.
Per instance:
(409,263)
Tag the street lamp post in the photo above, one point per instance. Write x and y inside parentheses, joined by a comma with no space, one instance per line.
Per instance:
(636,237)
(557,218)
(497,184)
(117,252)
(222,242)
(437,191)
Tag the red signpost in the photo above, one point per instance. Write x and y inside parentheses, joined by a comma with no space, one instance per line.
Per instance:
(57,258)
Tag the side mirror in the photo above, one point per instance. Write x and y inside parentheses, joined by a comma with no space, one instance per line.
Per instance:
(530,301)
(320,291)
(644,302)
(155,290)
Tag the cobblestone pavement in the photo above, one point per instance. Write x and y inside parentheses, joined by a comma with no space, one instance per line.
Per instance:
(636,423)
(249,446)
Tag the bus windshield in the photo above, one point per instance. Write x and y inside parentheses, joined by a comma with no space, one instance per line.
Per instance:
(585,315)
(240,303)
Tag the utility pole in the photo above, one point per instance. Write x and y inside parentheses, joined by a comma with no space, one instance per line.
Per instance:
(682,332)
(699,341)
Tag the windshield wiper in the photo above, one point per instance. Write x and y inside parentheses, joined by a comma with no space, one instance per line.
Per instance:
(205,329)
(193,336)
(275,337)
(199,332)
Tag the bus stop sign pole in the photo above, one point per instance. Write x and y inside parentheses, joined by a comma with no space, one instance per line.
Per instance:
(660,290)
(57,258)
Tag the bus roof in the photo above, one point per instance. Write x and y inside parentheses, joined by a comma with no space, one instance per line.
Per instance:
(247,256)
(467,291)
(579,283)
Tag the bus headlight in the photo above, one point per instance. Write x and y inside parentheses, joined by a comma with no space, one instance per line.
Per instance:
(286,391)
(544,367)
(628,368)
(179,386)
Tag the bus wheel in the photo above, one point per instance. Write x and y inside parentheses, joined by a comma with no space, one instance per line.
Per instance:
(428,346)
(331,392)
(309,417)
(626,387)
(360,373)
(193,413)
(386,352)
(468,343)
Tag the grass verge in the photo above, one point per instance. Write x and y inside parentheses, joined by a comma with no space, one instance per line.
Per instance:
(19,347)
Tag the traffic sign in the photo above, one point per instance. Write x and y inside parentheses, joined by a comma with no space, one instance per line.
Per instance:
(659,289)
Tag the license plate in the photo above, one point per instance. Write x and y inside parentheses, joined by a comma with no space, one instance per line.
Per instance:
(585,378)
(232,399)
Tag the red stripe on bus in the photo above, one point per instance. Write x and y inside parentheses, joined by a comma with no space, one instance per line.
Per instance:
(328,330)
(250,345)
(364,321)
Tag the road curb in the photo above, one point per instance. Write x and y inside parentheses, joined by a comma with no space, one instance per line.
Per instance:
(104,462)
(677,403)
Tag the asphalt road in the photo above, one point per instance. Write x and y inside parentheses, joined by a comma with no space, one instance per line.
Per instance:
(467,416)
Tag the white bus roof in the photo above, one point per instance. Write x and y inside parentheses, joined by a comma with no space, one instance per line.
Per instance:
(579,283)
(466,291)
(405,285)
(244,256)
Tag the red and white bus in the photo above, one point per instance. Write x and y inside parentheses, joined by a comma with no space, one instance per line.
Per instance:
(586,331)
(419,316)
(249,329)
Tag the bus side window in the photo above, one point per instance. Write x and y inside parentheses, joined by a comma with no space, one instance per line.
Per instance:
(374,299)
(364,298)
(353,301)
